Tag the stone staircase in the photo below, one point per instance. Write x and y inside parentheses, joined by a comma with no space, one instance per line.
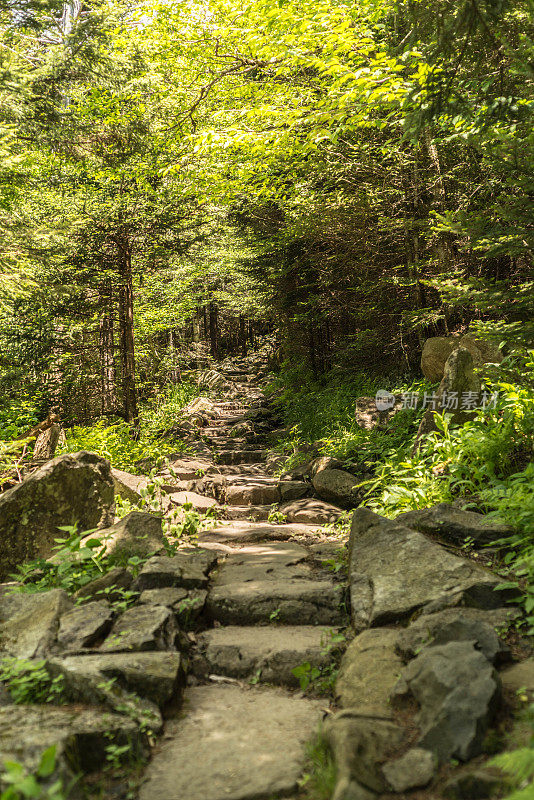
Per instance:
(244,724)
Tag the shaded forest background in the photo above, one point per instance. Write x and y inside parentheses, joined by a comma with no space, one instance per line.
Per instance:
(178,179)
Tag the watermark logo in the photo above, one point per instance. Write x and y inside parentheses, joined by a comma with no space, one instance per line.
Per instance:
(445,401)
(384,400)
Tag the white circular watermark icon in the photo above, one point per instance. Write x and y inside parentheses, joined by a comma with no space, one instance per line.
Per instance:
(384,400)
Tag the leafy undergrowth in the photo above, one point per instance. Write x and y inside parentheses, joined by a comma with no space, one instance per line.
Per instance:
(485,464)
(115,442)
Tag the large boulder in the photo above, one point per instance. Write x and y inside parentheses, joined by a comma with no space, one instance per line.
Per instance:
(459,378)
(395,571)
(455,525)
(457,691)
(437,350)
(337,486)
(70,489)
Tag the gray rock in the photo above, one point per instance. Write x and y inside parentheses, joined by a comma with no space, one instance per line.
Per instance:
(457,691)
(454,525)
(188,569)
(311,511)
(437,350)
(69,489)
(269,652)
(458,377)
(360,744)
(143,628)
(270,582)
(155,676)
(453,625)
(26,731)
(369,670)
(29,622)
(84,626)
(232,744)
(198,501)
(187,468)
(187,605)
(127,485)
(394,571)
(136,534)
(414,769)
(293,490)
(338,486)
(252,531)
(110,585)
(168,596)
(250,491)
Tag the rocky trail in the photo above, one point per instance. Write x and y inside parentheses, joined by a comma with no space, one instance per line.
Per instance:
(205,665)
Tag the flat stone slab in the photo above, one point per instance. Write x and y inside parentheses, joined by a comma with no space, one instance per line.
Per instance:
(254,513)
(394,571)
(187,469)
(187,605)
(188,569)
(158,677)
(85,625)
(198,501)
(250,491)
(233,744)
(143,627)
(272,582)
(269,653)
(249,531)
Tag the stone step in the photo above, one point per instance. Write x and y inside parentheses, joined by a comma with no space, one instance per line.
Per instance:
(233,743)
(237,470)
(273,582)
(249,531)
(251,491)
(248,513)
(268,654)
(241,456)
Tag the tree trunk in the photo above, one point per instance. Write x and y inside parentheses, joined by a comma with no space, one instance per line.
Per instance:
(126,331)
(107,349)
(242,336)
(214,332)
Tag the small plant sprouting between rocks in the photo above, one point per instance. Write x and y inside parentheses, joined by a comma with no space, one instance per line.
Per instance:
(319,779)
(276,517)
(23,785)
(29,681)
(320,679)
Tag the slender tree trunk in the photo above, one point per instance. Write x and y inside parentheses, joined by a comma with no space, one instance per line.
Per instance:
(126,331)
(107,349)
(214,331)
(242,336)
